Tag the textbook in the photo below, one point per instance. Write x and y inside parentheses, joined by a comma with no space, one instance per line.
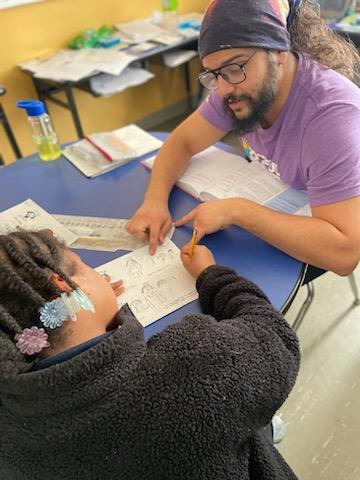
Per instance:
(101,152)
(216,174)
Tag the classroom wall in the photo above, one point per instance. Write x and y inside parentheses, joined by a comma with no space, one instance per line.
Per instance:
(41,28)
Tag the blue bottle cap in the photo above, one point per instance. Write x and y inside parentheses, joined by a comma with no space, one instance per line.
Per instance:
(33,108)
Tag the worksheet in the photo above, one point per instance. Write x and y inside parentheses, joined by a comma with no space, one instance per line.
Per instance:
(155,285)
(28,215)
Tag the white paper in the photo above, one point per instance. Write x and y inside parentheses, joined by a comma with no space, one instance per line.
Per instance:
(64,66)
(100,233)
(143,47)
(215,174)
(106,85)
(73,65)
(154,285)
(139,31)
(167,38)
(178,57)
(189,32)
(105,60)
(28,215)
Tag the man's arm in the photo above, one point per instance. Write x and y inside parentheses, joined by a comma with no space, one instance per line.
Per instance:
(152,220)
(330,239)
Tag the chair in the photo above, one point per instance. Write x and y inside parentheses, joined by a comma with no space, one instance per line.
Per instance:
(311,292)
(8,130)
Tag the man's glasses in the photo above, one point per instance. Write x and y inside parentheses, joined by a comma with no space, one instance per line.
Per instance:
(233,73)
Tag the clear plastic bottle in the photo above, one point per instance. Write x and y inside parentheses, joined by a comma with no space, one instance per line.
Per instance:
(42,130)
(169,5)
(170,9)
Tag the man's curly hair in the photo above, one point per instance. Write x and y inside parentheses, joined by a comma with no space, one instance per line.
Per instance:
(310,34)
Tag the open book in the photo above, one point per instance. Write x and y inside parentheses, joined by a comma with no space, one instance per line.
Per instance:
(103,152)
(216,174)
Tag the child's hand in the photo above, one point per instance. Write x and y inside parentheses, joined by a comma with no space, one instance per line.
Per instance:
(200,259)
(118,286)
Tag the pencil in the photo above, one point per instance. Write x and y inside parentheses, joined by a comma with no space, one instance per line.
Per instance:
(193,242)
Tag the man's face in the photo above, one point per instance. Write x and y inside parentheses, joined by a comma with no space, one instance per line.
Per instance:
(248,102)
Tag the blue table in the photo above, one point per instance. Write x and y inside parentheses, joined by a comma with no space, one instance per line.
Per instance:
(60,188)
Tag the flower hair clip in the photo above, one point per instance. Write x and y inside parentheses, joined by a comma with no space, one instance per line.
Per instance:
(53,314)
(32,340)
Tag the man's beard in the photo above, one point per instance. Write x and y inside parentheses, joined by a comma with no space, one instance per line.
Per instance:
(259,106)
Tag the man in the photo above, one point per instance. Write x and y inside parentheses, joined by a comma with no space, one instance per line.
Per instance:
(270,68)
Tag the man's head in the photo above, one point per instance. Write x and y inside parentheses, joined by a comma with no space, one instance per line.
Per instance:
(242,45)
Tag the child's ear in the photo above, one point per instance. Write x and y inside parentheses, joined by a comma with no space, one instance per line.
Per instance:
(60,283)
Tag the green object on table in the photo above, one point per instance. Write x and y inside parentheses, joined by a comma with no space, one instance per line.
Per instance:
(169,5)
(91,38)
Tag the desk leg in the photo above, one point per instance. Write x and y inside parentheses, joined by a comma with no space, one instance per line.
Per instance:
(73,110)
(188,83)
(46,90)
(9,133)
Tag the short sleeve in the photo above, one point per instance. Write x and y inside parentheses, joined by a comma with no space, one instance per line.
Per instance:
(331,155)
(213,111)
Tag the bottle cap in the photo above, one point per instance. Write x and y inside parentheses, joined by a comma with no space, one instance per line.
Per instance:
(33,108)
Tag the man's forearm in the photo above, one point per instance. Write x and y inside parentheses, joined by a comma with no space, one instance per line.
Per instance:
(309,239)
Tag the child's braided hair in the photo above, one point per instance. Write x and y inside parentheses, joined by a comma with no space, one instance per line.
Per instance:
(26,261)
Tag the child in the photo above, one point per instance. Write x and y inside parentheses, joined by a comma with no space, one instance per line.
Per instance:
(82,396)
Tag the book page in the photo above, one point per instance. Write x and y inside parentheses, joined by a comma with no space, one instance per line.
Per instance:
(88,159)
(137,139)
(253,182)
(125,143)
(111,145)
(215,174)
(28,215)
(155,285)
(206,169)
(291,201)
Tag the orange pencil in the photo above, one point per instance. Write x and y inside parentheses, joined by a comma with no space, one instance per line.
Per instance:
(193,242)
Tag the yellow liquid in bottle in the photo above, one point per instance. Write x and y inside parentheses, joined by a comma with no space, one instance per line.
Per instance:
(48,148)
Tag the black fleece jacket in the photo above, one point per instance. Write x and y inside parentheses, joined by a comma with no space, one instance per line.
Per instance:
(190,404)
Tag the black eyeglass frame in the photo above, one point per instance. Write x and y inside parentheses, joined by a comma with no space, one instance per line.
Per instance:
(217,71)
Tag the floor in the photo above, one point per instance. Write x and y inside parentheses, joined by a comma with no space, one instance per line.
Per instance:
(322,413)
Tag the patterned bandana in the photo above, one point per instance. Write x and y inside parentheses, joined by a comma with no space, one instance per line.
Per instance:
(246,23)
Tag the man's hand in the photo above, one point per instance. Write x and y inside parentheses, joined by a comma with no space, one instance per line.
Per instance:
(151,222)
(200,259)
(209,217)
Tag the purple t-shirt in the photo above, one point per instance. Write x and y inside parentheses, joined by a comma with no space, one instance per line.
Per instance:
(314,144)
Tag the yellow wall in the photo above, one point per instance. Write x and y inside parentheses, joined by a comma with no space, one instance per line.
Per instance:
(41,28)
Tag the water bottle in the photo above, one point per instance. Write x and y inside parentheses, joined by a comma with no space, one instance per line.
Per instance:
(170,8)
(42,130)
(169,5)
